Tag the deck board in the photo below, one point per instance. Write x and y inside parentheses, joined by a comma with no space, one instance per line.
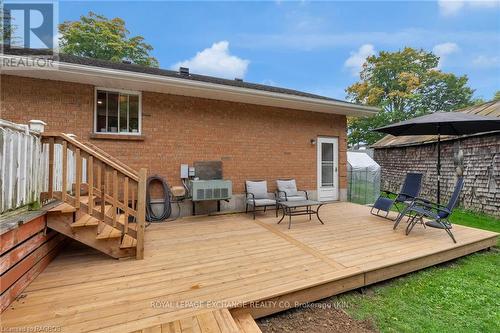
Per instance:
(204,263)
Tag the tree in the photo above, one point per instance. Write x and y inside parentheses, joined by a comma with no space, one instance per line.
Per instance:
(404,84)
(96,36)
(443,92)
(7,28)
(496,96)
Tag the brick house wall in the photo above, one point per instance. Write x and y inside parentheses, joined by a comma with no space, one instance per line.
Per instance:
(254,142)
(481,170)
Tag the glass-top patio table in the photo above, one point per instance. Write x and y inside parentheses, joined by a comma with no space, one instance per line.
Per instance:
(302,207)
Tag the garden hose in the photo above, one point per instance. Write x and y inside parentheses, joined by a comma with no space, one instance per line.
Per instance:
(167,209)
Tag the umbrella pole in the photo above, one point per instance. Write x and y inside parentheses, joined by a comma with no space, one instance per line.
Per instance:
(439,168)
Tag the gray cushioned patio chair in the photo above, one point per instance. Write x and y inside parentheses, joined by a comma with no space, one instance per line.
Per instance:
(287,191)
(438,214)
(256,195)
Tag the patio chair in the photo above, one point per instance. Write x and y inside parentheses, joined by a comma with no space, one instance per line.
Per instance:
(439,214)
(256,195)
(409,191)
(287,191)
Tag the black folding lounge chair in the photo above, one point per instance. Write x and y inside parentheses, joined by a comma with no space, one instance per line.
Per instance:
(439,214)
(409,191)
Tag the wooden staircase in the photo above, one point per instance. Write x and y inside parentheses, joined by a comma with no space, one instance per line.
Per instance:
(105,209)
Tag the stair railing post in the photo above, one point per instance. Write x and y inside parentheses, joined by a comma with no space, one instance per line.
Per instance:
(103,190)
(51,168)
(64,170)
(90,182)
(114,215)
(78,175)
(125,203)
(141,212)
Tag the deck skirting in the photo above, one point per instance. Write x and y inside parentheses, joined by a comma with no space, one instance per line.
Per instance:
(300,297)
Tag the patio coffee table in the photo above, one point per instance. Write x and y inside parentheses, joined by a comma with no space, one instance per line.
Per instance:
(296,208)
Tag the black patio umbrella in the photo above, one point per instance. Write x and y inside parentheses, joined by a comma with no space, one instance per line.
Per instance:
(443,123)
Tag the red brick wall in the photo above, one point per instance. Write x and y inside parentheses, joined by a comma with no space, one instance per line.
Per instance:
(252,141)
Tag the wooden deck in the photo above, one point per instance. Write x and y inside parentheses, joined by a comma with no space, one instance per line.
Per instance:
(202,264)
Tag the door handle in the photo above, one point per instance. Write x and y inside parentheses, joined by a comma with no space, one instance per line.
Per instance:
(335,169)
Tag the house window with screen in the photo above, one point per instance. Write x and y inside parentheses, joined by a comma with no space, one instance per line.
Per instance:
(117,112)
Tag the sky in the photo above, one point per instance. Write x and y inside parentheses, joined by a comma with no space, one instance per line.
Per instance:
(310,46)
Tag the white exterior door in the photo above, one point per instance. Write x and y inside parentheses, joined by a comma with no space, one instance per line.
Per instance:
(328,179)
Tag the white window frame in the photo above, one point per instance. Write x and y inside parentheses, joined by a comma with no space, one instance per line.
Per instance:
(129,92)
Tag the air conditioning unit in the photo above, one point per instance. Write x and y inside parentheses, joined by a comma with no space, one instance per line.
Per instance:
(210,189)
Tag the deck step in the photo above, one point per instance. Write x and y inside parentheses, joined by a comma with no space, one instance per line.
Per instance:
(63,208)
(246,323)
(128,242)
(85,221)
(131,225)
(107,210)
(216,321)
(108,231)
(85,199)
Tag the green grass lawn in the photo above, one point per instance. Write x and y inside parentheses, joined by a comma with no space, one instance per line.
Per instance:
(476,220)
(459,296)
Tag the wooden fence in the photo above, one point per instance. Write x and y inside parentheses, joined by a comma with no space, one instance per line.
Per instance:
(20,158)
(24,163)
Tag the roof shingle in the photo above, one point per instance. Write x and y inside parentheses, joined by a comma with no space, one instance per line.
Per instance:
(170,73)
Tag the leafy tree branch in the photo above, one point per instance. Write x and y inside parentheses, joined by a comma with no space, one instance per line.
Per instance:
(403,84)
(96,36)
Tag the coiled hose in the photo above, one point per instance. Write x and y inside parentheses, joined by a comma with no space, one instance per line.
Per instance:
(167,209)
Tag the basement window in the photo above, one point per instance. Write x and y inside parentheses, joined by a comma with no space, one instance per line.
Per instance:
(117,112)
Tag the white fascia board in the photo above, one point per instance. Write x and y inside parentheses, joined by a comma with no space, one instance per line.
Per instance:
(101,76)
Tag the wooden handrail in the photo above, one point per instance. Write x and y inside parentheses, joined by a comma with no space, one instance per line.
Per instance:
(105,154)
(97,155)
